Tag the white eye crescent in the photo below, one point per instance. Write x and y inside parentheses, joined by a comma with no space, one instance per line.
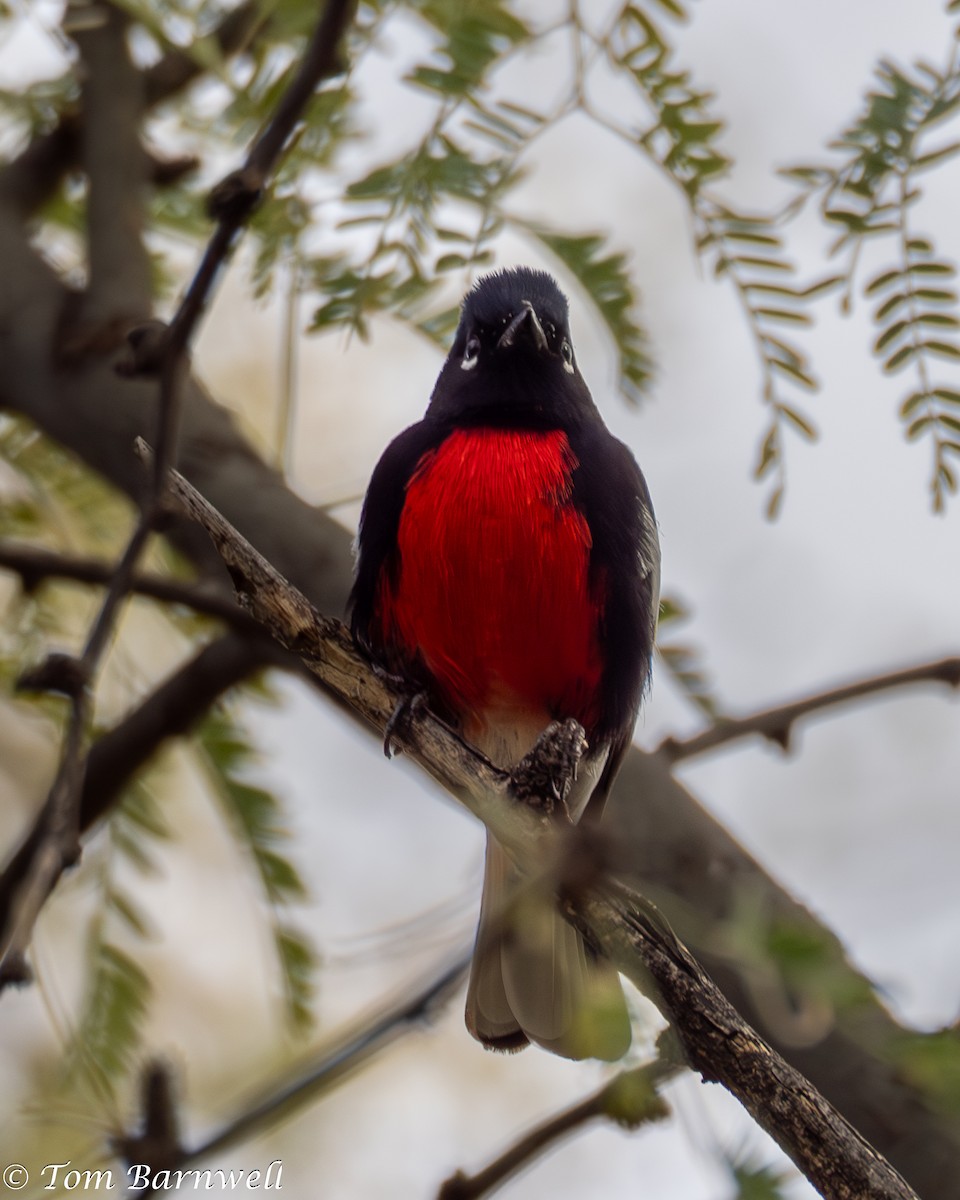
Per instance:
(471,355)
(566,351)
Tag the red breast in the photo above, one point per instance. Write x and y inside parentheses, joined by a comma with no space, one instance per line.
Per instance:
(493,590)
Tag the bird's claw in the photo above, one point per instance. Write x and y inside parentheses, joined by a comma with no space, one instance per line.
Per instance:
(543,777)
(405,710)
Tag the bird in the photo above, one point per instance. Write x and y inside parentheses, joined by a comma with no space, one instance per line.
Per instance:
(508,569)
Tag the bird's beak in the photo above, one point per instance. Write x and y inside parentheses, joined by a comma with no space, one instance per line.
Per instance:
(524,324)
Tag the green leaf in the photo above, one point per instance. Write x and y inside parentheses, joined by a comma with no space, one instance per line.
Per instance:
(769,453)
(755,238)
(755,1181)
(900,358)
(947,477)
(787,315)
(931,268)
(798,421)
(298,969)
(451,262)
(775,503)
(882,281)
(281,880)
(674,8)
(919,426)
(786,352)
(943,320)
(762,264)
(255,818)
(798,376)
(931,1063)
(672,608)
(822,286)
(936,295)
(913,402)
(891,334)
(129,912)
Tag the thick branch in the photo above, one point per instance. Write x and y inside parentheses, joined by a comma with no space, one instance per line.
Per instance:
(776,724)
(717,1041)
(112,97)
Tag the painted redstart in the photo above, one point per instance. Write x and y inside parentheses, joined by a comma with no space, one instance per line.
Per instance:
(508,567)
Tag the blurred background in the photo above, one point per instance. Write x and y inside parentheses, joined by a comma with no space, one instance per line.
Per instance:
(376,878)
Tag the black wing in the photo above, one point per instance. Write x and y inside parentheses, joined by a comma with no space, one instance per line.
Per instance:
(610,490)
(380,521)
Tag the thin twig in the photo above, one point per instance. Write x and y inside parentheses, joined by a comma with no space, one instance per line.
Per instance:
(314,1078)
(776,724)
(33,564)
(614,918)
(630,1098)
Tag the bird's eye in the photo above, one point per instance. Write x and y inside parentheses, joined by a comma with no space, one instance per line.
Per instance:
(471,354)
(566,351)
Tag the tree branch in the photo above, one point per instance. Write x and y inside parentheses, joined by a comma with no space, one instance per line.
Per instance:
(776,724)
(630,1098)
(716,1040)
(112,99)
(719,1044)
(34,564)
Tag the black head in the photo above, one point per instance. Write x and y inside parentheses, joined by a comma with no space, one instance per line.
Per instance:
(512,360)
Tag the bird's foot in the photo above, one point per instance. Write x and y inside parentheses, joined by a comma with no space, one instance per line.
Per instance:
(542,778)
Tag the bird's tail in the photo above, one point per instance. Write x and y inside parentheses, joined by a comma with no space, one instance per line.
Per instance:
(534,979)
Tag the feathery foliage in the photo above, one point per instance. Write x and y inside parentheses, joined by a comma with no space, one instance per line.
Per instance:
(755,1180)
(870,197)
(257,821)
(108,1038)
